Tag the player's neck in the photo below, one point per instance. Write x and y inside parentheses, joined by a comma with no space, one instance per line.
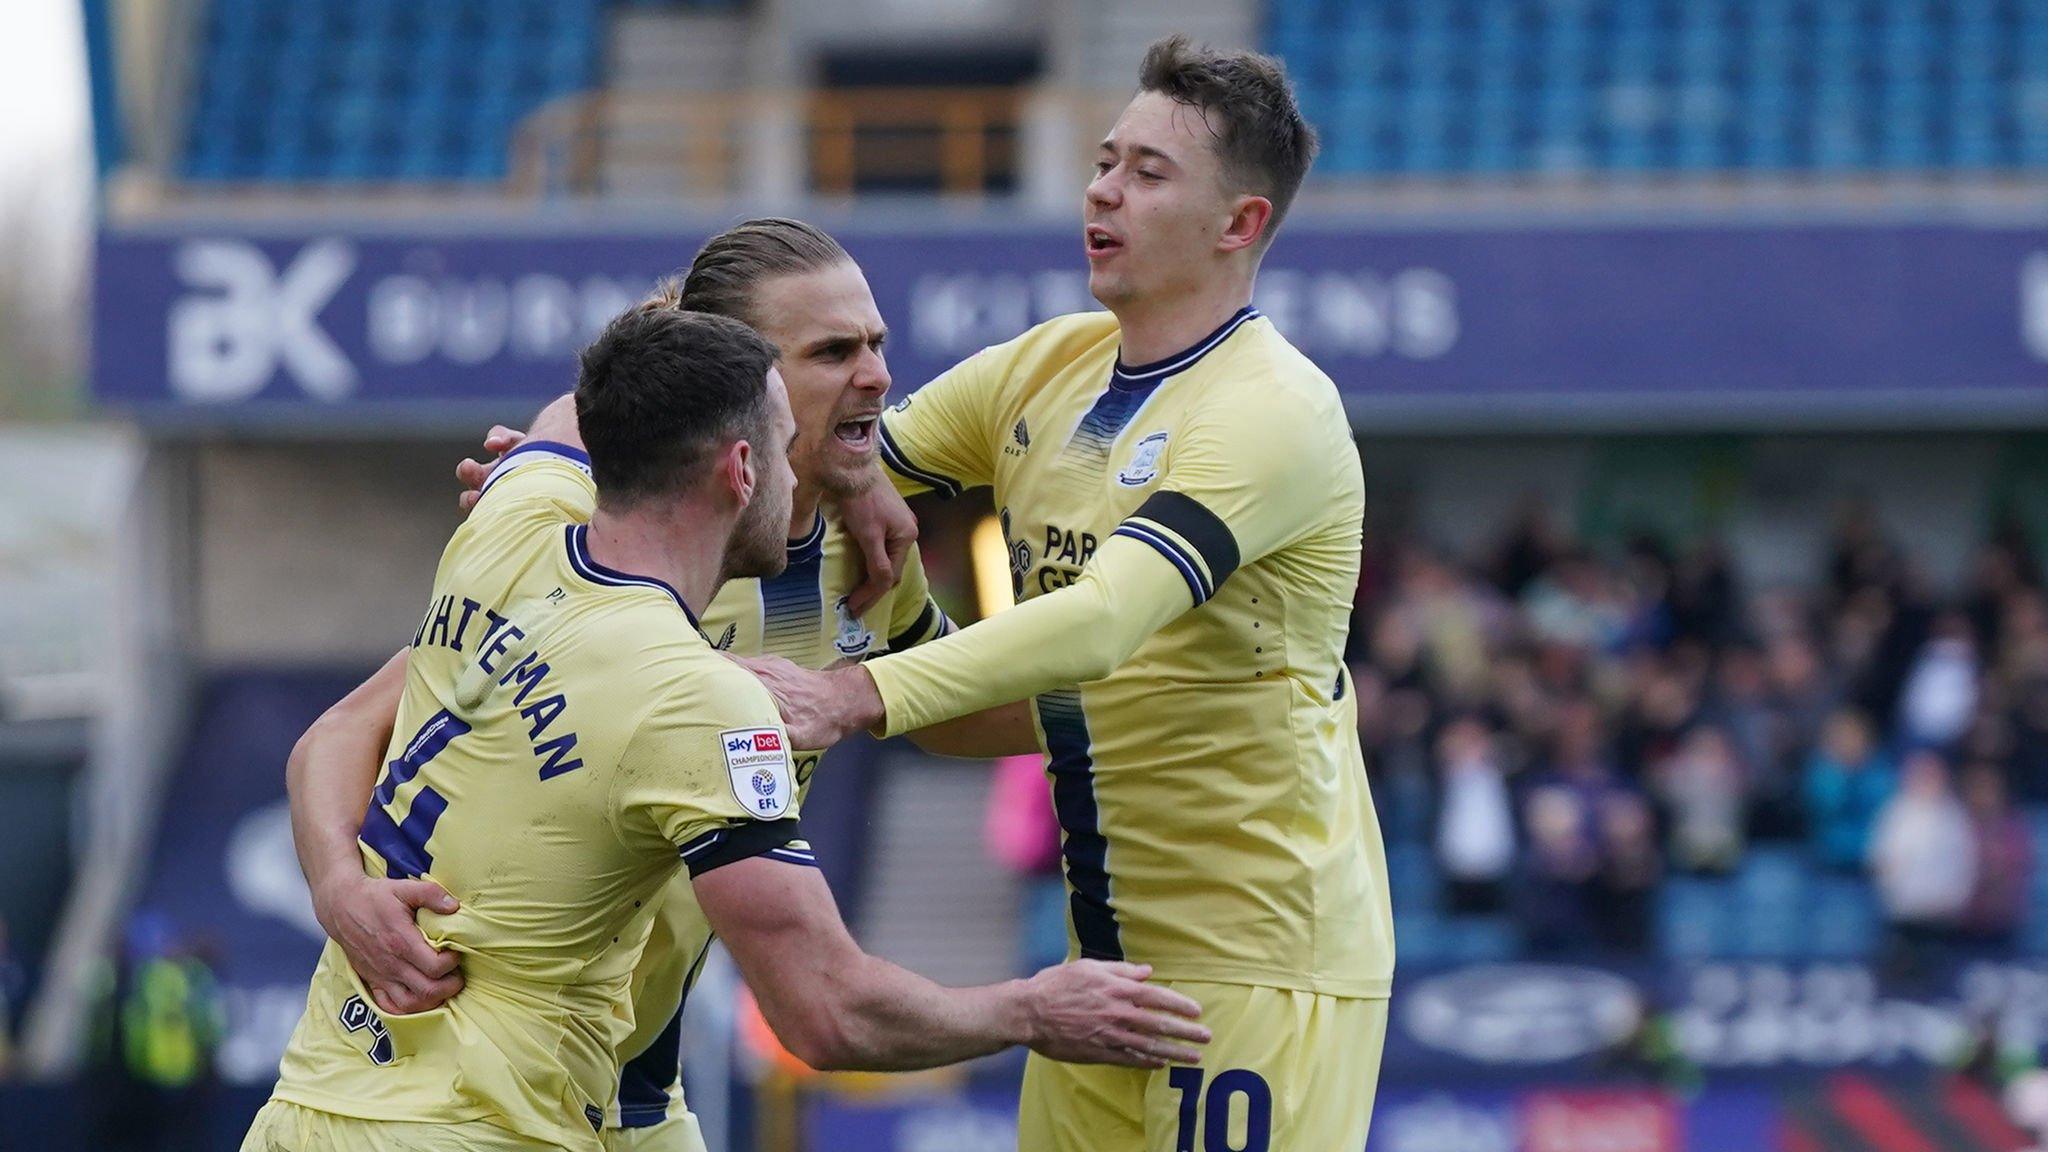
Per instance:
(803,509)
(646,542)
(1155,329)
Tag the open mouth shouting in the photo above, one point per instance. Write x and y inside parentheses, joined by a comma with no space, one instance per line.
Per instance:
(1102,242)
(858,433)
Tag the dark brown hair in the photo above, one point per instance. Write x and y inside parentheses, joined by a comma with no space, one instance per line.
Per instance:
(732,265)
(1244,98)
(660,390)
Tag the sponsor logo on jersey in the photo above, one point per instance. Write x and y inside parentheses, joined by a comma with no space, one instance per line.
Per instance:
(1144,465)
(854,637)
(757,761)
(355,1016)
(1021,437)
(725,638)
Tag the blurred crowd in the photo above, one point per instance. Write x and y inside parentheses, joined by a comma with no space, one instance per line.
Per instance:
(1566,727)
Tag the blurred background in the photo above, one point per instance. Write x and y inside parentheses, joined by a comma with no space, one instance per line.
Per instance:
(1697,354)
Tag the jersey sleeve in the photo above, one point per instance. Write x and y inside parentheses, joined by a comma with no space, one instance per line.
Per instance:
(540,473)
(1079,633)
(941,438)
(914,617)
(710,773)
(1240,484)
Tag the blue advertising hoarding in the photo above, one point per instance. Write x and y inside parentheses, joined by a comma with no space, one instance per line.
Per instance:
(1846,324)
(1444,1118)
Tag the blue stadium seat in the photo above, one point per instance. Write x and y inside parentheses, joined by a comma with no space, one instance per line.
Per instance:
(358,90)
(1828,85)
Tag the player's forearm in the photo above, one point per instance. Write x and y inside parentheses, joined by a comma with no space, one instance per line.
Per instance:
(1005,730)
(883,1018)
(1081,632)
(556,423)
(332,771)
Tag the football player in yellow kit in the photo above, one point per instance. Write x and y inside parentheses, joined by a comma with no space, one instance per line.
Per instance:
(569,739)
(800,288)
(1183,504)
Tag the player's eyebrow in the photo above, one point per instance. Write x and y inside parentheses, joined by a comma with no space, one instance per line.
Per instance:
(1141,151)
(841,343)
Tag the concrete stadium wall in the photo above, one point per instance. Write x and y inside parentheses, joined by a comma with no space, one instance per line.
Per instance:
(317,553)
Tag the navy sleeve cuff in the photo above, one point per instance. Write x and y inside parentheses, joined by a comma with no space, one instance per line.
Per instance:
(737,842)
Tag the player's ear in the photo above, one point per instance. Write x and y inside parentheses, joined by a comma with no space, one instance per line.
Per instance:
(1249,216)
(736,471)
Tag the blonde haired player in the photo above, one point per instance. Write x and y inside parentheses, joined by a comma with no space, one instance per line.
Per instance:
(1183,504)
(798,286)
(569,739)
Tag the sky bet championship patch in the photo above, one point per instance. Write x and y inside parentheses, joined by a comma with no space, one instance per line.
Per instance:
(757,760)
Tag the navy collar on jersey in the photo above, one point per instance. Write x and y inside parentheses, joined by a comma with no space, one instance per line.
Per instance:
(580,560)
(811,546)
(1146,375)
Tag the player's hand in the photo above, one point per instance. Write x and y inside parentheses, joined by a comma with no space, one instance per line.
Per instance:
(884,528)
(472,474)
(819,709)
(1102,1012)
(372,920)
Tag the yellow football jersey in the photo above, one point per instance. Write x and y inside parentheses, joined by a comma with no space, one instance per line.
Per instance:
(801,616)
(1211,789)
(565,739)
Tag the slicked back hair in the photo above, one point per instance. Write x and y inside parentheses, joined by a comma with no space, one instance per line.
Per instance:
(1244,97)
(660,391)
(729,270)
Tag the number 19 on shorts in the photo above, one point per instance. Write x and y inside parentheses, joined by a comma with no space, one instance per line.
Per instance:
(1222,1094)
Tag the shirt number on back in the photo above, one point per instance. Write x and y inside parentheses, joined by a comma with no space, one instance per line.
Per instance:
(404,845)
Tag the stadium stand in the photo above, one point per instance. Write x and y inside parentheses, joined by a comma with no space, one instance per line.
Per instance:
(370,90)
(1491,87)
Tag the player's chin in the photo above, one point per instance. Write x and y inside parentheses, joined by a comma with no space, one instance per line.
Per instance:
(847,467)
(1106,286)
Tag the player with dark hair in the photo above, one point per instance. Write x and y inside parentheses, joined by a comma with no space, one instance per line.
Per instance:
(1183,505)
(568,738)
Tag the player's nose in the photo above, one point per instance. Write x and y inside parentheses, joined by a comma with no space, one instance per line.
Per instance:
(1104,192)
(872,373)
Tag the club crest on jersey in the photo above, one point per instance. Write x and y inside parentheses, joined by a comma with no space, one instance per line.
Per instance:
(854,637)
(757,761)
(1144,465)
(355,1016)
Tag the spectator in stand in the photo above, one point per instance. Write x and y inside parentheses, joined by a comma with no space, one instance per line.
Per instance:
(1740,704)
(1458,620)
(1940,694)
(1475,831)
(1924,858)
(1576,604)
(2003,574)
(1664,704)
(1564,813)
(1532,545)
(1629,870)
(1801,697)
(2005,859)
(1704,786)
(1647,576)
(1400,756)
(1705,600)
(2029,716)
(1846,785)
